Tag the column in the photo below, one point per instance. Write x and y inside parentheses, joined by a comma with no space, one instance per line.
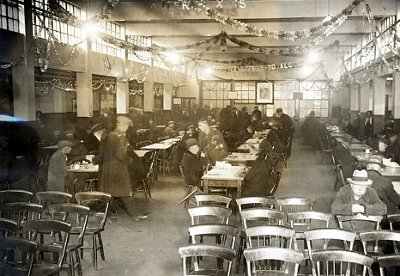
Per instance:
(354,98)
(84,94)
(148,96)
(24,74)
(364,97)
(167,97)
(396,99)
(379,90)
(122,97)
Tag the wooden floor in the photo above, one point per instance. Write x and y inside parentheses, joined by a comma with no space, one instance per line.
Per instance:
(147,242)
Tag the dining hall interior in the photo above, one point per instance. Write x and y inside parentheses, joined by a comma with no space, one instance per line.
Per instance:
(184,137)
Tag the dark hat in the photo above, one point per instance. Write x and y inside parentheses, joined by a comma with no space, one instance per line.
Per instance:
(63,143)
(279,110)
(171,122)
(391,133)
(97,127)
(190,142)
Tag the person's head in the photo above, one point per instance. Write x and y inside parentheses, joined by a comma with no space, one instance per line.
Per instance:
(244,109)
(38,114)
(191,145)
(256,108)
(64,146)
(123,123)
(312,114)
(204,126)
(191,129)
(171,124)
(250,129)
(216,140)
(151,121)
(369,114)
(392,136)
(382,144)
(181,131)
(279,112)
(359,182)
(105,111)
(264,148)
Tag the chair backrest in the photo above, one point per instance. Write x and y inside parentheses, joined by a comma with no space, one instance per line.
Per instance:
(306,220)
(315,236)
(76,215)
(213,200)
(341,262)
(359,222)
(294,204)
(271,236)
(22,211)
(228,233)
(99,204)
(261,216)
(340,174)
(258,260)
(374,241)
(53,197)
(385,262)
(52,234)
(184,177)
(209,215)
(8,227)
(215,252)
(16,256)
(393,219)
(254,202)
(10,196)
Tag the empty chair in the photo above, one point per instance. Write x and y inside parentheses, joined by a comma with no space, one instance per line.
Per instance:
(191,253)
(376,243)
(341,262)
(16,256)
(261,216)
(77,216)
(389,262)
(8,227)
(258,261)
(99,204)
(326,151)
(209,215)
(340,179)
(226,233)
(213,200)
(22,211)
(393,219)
(45,230)
(52,197)
(294,204)
(271,236)
(144,184)
(359,223)
(10,196)
(254,202)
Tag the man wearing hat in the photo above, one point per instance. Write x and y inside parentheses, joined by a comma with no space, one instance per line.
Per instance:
(358,197)
(58,167)
(191,164)
(393,149)
(169,130)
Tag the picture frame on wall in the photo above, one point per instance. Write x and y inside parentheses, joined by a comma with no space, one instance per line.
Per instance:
(264,93)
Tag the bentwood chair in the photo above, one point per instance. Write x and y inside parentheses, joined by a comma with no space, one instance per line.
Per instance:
(99,204)
(54,238)
(8,227)
(16,256)
(190,254)
(213,200)
(341,262)
(389,262)
(77,216)
(272,261)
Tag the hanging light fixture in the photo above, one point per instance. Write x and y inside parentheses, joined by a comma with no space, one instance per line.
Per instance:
(328,17)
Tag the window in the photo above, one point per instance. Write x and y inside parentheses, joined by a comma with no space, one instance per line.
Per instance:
(9,15)
(158,96)
(62,32)
(216,94)
(140,56)
(136,94)
(114,30)
(315,98)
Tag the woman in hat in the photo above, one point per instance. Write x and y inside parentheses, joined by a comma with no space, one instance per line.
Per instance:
(258,180)
(58,167)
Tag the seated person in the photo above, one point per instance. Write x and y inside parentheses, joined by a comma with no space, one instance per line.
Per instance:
(358,197)
(191,164)
(262,125)
(258,180)
(246,133)
(58,167)
(344,157)
(169,130)
(384,187)
(216,150)
(192,132)
(273,139)
(393,148)
(205,135)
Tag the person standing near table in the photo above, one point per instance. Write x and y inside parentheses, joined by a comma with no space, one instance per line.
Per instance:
(58,167)
(115,177)
(368,125)
(206,134)
(288,129)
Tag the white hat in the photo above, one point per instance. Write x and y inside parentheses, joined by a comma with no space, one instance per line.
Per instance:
(360,177)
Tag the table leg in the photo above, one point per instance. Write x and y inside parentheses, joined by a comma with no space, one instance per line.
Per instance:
(205,186)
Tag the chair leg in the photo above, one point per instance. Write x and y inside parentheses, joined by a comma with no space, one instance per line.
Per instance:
(78,263)
(70,270)
(94,252)
(101,246)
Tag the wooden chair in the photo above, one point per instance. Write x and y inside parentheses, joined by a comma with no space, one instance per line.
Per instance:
(10,196)
(77,216)
(212,200)
(16,256)
(209,215)
(227,233)
(326,151)
(261,216)
(388,262)
(99,204)
(254,202)
(8,227)
(52,197)
(340,179)
(393,219)
(54,238)
(22,211)
(271,236)
(294,204)
(374,242)
(191,190)
(144,184)
(359,223)
(218,252)
(260,261)
(341,262)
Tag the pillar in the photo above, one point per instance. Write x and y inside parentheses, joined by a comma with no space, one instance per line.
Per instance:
(396,99)
(148,96)
(354,98)
(122,97)
(379,91)
(365,97)
(84,94)
(167,97)
(24,74)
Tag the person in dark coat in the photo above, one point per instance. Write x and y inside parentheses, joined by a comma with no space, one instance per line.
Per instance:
(169,131)
(258,180)
(153,131)
(287,128)
(256,113)
(206,134)
(244,118)
(245,134)
(58,167)
(368,125)
(216,150)
(191,164)
(393,149)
